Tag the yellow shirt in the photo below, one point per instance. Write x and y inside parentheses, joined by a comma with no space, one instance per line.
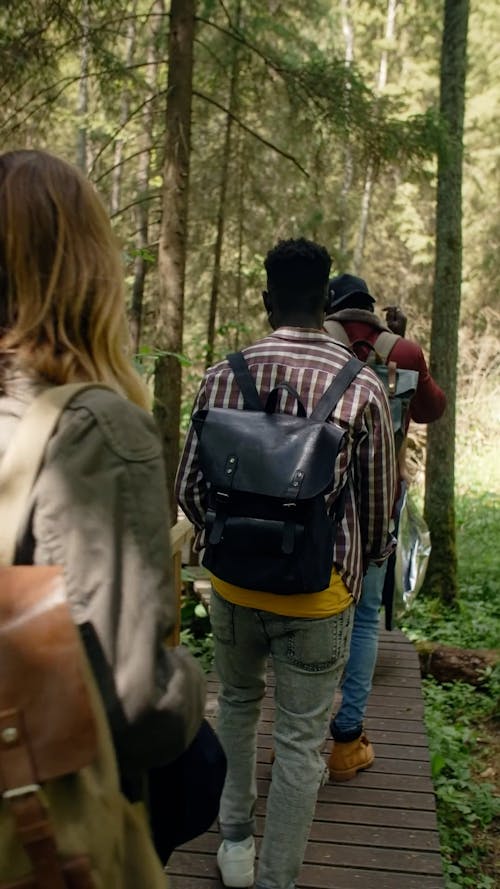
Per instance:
(333,600)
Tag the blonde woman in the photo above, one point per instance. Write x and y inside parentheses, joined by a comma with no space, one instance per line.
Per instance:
(99,504)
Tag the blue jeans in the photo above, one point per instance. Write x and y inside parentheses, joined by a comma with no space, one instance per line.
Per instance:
(357,680)
(308,659)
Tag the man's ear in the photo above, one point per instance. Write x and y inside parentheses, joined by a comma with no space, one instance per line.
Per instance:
(267,302)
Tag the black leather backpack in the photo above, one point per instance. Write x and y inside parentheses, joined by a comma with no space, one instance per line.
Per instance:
(267,524)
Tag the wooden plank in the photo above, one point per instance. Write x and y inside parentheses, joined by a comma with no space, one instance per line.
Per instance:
(386,692)
(412,752)
(329,832)
(371,858)
(385,718)
(187,862)
(350,813)
(395,709)
(403,679)
(416,739)
(336,878)
(368,795)
(317,877)
(369,778)
(378,781)
(375,835)
(180,534)
(382,858)
(191,882)
(400,766)
(174,638)
(378,831)
(375,839)
(401,722)
(398,733)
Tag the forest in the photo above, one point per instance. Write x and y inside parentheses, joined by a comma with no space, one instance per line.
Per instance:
(213,128)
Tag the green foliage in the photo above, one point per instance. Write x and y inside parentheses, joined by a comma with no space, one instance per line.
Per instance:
(466,803)
(147,357)
(340,95)
(201,648)
(475,620)
(195,628)
(460,718)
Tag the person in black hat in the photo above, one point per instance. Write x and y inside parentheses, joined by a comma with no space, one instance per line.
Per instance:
(351,319)
(341,288)
(350,292)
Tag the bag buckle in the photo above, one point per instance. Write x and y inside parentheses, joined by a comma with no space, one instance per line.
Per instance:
(24,790)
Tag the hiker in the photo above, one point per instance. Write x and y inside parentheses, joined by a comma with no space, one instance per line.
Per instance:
(306,633)
(98,506)
(351,306)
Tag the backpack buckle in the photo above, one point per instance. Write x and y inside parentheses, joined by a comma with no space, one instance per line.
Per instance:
(24,790)
(293,489)
(219,516)
(391,378)
(230,467)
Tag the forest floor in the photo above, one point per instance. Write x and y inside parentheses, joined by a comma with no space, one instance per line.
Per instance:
(463,720)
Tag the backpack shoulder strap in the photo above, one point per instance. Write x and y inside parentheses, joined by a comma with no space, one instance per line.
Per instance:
(384,344)
(337,330)
(336,389)
(245,380)
(23,458)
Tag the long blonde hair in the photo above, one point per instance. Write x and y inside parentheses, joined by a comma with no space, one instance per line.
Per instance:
(62,307)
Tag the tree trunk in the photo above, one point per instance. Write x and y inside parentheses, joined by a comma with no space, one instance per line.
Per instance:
(221,210)
(173,234)
(347,31)
(370,171)
(440,471)
(241,234)
(83,92)
(124,113)
(141,210)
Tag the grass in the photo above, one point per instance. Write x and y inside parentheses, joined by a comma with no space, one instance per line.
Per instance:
(463,722)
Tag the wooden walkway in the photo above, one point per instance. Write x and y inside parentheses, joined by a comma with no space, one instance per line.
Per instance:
(377,831)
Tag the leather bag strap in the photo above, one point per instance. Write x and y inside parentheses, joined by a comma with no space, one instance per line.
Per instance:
(327,402)
(336,389)
(245,380)
(23,458)
(272,399)
(25,801)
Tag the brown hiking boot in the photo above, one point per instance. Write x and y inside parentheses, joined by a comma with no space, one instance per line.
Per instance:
(349,757)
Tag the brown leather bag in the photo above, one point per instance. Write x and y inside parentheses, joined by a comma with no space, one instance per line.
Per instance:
(47,725)
(63,821)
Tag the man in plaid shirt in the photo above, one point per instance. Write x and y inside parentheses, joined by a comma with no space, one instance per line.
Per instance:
(307,635)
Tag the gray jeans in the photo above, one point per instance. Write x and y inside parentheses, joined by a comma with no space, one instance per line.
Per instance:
(308,659)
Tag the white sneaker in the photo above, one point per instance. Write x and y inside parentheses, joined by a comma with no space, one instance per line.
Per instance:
(235,861)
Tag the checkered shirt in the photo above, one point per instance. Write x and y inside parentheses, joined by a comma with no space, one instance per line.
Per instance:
(309,360)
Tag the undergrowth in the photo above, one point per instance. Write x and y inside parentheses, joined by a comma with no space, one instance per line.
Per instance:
(463,722)
(457,716)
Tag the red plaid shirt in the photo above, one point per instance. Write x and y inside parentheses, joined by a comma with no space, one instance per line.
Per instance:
(309,360)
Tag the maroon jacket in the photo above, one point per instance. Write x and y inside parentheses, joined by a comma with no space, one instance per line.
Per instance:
(429,401)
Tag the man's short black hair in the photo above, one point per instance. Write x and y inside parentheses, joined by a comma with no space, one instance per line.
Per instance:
(297,274)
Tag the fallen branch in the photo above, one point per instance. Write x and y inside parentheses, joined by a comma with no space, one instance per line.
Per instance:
(447,664)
